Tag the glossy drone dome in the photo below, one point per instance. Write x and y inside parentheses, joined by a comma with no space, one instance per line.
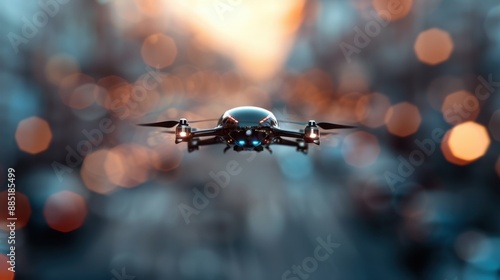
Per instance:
(248,116)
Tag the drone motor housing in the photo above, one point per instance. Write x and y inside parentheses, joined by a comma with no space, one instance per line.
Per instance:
(182,131)
(311,133)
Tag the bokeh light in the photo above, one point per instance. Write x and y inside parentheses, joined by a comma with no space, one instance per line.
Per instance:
(360,149)
(94,173)
(345,109)
(469,141)
(257,34)
(114,92)
(433,46)
(392,9)
(460,106)
(372,108)
(151,8)
(77,90)
(60,66)
(23,210)
(403,119)
(65,211)
(446,150)
(128,165)
(5,274)
(158,50)
(33,135)
(84,96)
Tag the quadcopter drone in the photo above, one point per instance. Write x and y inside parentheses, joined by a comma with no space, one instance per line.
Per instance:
(247,128)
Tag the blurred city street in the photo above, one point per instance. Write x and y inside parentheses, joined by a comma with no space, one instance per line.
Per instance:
(412,193)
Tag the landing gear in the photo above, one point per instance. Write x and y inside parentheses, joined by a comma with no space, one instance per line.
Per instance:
(302,146)
(193,145)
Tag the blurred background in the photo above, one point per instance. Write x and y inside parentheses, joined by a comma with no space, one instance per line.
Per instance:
(413,193)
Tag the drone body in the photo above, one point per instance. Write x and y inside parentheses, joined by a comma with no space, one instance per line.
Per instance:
(247,128)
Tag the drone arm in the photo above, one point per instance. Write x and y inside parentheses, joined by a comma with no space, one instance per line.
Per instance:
(207,132)
(284,142)
(299,144)
(287,133)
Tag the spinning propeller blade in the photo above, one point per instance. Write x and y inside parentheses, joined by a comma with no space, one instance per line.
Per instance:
(170,124)
(327,125)
(323,125)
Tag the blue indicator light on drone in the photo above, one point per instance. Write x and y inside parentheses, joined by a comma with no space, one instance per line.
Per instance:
(256,142)
(241,142)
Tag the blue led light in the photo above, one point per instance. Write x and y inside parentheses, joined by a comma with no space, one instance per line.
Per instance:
(256,142)
(241,142)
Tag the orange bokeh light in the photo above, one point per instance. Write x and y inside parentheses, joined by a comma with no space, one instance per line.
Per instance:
(371,109)
(433,46)
(445,149)
(158,50)
(403,119)
(5,274)
(344,109)
(65,211)
(60,66)
(77,91)
(23,210)
(469,141)
(257,35)
(360,149)
(33,135)
(94,174)
(460,106)
(128,165)
(151,8)
(392,9)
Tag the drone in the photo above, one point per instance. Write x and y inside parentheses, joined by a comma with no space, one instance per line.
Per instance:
(247,128)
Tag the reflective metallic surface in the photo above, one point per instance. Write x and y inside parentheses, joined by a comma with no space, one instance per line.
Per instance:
(248,116)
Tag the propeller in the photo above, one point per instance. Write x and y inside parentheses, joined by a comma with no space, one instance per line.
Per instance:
(323,125)
(328,133)
(170,124)
(327,125)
